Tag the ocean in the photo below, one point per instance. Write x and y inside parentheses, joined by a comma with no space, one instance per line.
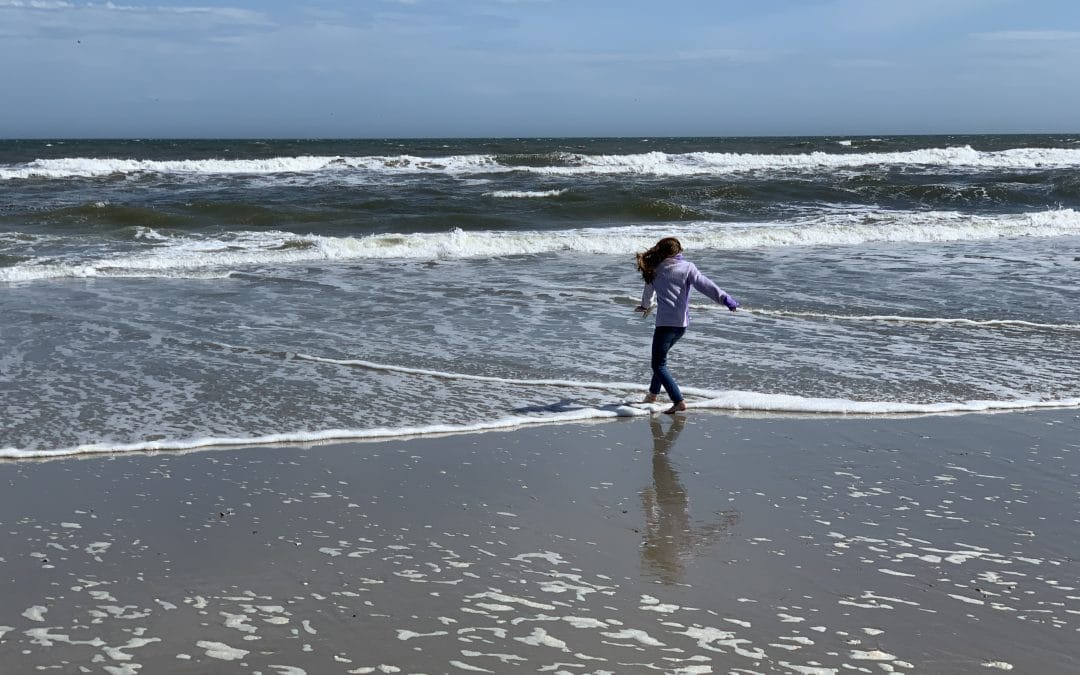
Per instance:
(172,295)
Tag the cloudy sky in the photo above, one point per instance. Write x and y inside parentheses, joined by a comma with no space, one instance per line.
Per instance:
(411,68)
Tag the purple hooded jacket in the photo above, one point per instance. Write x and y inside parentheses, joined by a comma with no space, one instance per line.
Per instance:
(671,287)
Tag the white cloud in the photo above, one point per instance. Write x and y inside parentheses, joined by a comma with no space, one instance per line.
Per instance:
(863,64)
(231,14)
(884,17)
(1029,35)
(729,55)
(36,4)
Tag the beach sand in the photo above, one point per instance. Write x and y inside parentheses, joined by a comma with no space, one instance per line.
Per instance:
(702,544)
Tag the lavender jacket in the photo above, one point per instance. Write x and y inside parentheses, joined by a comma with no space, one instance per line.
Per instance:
(671,286)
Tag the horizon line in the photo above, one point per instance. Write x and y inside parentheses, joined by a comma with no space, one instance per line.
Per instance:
(942,134)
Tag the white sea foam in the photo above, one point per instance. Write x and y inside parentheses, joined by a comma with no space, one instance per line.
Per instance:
(35,613)
(220,650)
(80,271)
(786,403)
(664,164)
(188,256)
(87,167)
(701,399)
(651,163)
(525,194)
(321,436)
(885,318)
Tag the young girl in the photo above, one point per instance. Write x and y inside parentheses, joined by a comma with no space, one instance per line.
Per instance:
(669,277)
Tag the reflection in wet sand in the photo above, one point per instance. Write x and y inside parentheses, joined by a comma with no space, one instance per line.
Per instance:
(670,537)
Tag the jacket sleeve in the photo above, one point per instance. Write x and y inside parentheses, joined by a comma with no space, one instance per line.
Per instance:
(647,296)
(704,284)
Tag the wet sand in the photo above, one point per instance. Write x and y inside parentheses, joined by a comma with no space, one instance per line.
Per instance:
(703,544)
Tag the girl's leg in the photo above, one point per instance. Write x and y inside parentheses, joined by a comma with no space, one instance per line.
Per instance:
(658,343)
(664,338)
(654,385)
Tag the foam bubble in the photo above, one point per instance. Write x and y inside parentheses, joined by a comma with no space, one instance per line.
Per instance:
(540,638)
(873,655)
(222,651)
(35,613)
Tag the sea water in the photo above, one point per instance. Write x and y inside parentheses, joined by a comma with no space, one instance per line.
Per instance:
(185,294)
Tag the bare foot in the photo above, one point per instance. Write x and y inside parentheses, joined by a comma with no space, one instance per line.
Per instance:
(678,407)
(650,398)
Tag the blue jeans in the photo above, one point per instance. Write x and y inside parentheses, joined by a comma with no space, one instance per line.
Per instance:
(663,339)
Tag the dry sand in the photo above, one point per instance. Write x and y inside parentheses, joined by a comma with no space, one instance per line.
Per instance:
(704,544)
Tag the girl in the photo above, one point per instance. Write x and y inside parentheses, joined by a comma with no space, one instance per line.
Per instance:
(669,277)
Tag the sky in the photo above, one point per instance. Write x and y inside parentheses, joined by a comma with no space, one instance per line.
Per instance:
(526,68)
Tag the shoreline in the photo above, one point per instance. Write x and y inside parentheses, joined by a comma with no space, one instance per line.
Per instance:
(583,415)
(695,544)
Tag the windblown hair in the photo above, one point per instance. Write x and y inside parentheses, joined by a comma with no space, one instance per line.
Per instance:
(648,261)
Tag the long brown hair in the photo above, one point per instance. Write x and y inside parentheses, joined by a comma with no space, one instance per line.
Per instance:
(649,260)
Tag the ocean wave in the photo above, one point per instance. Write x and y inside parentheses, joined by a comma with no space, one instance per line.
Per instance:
(651,163)
(186,254)
(664,164)
(91,167)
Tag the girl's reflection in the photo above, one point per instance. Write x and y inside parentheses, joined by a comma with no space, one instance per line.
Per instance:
(670,538)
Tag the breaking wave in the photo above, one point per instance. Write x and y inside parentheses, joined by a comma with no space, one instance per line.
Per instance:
(184,255)
(562,163)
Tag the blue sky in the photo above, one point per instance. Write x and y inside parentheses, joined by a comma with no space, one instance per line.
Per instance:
(407,68)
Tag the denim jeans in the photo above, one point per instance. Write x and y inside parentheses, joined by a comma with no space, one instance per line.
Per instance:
(663,339)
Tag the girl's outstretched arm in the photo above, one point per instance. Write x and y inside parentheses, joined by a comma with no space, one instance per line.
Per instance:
(705,285)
